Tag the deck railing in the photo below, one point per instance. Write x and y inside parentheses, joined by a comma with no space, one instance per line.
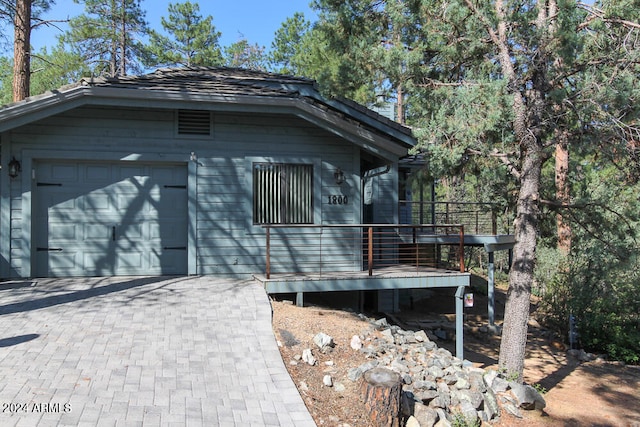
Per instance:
(317,249)
(478,218)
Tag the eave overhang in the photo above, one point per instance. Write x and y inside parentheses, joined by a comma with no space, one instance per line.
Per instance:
(335,117)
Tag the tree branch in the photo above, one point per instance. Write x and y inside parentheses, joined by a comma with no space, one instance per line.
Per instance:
(503,157)
(436,83)
(595,13)
(571,206)
(40,22)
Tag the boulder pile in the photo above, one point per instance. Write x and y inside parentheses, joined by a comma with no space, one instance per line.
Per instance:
(438,389)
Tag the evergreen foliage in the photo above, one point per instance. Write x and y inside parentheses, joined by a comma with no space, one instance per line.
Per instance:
(598,282)
(6,72)
(491,89)
(191,41)
(108,36)
(243,54)
(50,70)
(287,48)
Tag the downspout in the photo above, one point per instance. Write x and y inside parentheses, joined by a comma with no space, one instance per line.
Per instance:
(366,177)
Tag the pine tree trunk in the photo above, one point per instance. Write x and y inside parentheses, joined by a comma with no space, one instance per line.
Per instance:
(123,40)
(527,115)
(21,50)
(562,192)
(381,391)
(516,315)
(561,136)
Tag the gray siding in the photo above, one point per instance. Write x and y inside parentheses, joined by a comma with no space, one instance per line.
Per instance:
(226,241)
(385,196)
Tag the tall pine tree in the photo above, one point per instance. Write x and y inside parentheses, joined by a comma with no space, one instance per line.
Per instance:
(494,88)
(22,15)
(191,40)
(109,36)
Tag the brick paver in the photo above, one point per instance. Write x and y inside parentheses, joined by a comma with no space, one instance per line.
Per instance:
(151,351)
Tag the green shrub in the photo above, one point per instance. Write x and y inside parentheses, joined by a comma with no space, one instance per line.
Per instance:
(603,293)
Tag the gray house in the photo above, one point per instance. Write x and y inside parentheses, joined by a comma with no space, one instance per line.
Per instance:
(199,171)
(178,171)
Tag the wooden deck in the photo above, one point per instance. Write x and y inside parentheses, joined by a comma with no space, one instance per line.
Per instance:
(396,277)
(387,278)
(394,253)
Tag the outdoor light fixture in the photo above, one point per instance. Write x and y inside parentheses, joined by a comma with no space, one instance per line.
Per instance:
(339,176)
(14,168)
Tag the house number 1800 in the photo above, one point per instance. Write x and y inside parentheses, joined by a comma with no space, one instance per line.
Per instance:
(338,200)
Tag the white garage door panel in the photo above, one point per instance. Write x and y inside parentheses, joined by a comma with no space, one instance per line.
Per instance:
(130,262)
(68,261)
(110,219)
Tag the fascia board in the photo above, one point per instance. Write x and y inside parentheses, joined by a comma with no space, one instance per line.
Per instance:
(22,113)
(358,115)
(356,134)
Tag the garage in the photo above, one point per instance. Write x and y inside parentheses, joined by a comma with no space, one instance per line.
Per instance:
(118,218)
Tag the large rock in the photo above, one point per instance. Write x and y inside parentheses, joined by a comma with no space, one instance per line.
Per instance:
(427,417)
(324,342)
(527,397)
(356,342)
(469,413)
(491,407)
(307,356)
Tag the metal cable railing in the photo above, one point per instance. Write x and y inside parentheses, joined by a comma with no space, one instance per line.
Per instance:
(318,249)
(478,218)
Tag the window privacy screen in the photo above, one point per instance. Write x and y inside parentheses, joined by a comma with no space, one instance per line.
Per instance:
(282,193)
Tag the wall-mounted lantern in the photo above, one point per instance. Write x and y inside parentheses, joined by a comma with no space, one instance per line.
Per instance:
(339,176)
(14,168)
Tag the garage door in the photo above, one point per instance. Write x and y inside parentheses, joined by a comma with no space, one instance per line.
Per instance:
(95,219)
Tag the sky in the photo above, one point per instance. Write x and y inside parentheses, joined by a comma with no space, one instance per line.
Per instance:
(256,20)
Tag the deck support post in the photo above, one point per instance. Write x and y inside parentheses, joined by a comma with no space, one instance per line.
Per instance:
(370,250)
(461,249)
(460,323)
(268,253)
(300,299)
(490,290)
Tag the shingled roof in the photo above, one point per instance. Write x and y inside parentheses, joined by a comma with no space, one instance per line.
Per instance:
(233,83)
(226,81)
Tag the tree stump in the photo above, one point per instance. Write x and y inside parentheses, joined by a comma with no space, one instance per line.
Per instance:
(381,390)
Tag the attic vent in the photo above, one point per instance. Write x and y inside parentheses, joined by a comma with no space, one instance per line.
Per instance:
(194,122)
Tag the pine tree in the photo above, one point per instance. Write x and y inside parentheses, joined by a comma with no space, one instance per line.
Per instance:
(22,15)
(108,36)
(287,46)
(192,40)
(493,88)
(242,54)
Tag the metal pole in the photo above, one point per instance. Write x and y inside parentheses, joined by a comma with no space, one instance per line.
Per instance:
(494,223)
(370,251)
(459,323)
(461,248)
(490,291)
(433,203)
(415,242)
(268,253)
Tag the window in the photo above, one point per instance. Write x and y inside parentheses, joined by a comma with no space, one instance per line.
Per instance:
(282,193)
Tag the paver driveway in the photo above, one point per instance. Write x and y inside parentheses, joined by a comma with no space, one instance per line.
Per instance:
(142,351)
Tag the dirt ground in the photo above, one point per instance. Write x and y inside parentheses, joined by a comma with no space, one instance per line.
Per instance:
(595,393)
